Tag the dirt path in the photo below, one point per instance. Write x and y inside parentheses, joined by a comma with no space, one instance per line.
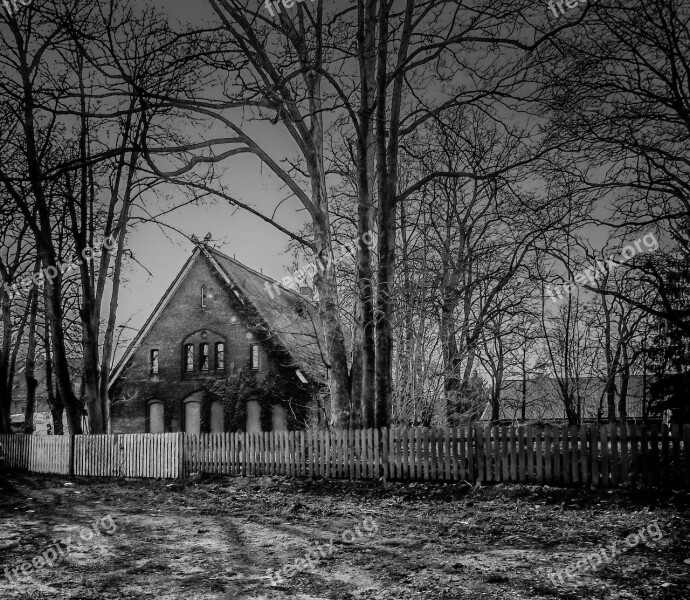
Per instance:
(219,539)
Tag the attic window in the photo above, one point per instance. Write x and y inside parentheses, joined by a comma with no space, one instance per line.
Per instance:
(154,362)
(254,356)
(203,296)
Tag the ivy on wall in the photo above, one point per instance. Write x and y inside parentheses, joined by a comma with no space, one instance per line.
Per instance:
(279,386)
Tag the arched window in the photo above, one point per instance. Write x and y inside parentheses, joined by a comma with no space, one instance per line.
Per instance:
(220,356)
(189,357)
(197,351)
(203,357)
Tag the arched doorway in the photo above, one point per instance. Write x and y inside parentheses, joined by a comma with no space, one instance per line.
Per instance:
(253,416)
(192,412)
(217,417)
(156,416)
(279,418)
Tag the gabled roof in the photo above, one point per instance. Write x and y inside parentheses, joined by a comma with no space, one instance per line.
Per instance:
(288,317)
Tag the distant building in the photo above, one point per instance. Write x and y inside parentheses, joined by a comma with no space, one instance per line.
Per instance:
(540,401)
(43,421)
(216,319)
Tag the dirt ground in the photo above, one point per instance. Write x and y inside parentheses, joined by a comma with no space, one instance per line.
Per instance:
(218,538)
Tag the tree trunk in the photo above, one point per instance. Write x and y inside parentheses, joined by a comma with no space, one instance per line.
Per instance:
(339,379)
(451,363)
(55,403)
(625,381)
(364,356)
(31,383)
(61,366)
(91,397)
(5,394)
(523,407)
(110,329)
(387,171)
(496,395)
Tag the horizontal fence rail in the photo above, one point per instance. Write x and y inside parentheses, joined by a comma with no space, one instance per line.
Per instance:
(596,455)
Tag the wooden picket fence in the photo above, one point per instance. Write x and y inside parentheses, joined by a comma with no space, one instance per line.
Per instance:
(596,455)
(148,455)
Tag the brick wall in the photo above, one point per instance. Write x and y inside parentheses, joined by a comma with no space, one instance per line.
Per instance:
(183,321)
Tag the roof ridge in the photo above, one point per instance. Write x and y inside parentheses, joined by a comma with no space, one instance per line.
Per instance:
(266,277)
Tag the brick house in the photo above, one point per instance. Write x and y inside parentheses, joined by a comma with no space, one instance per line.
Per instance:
(219,320)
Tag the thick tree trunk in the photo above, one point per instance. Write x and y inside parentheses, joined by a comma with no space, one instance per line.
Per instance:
(363,372)
(387,140)
(5,408)
(451,364)
(31,383)
(92,398)
(339,379)
(5,393)
(65,390)
(523,406)
(57,407)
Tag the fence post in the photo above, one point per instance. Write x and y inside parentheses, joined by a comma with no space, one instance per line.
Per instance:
(71,455)
(181,458)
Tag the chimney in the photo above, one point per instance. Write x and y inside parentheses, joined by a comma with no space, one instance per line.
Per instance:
(306,292)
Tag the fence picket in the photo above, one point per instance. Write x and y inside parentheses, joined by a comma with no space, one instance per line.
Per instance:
(523,454)
(686,454)
(677,473)
(605,461)
(384,456)
(665,474)
(537,447)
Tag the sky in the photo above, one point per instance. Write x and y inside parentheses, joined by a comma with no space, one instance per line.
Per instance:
(162,252)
